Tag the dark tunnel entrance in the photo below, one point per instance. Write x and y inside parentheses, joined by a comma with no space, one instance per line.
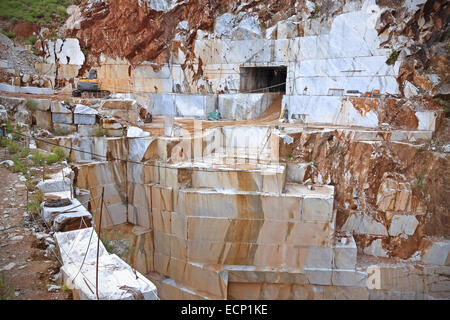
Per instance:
(263,79)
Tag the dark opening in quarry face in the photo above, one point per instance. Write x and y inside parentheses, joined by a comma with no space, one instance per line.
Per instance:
(263,79)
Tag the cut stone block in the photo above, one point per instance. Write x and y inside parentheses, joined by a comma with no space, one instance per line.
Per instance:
(199,276)
(73,245)
(43,119)
(134,244)
(179,225)
(345,254)
(84,119)
(298,257)
(260,231)
(79,246)
(65,128)
(235,253)
(169,289)
(115,214)
(319,276)
(170,245)
(317,209)
(296,172)
(403,224)
(43,104)
(438,253)
(162,198)
(139,216)
(139,195)
(264,275)
(59,107)
(62,118)
(86,130)
(120,104)
(161,220)
(111,272)
(55,185)
(85,115)
(68,217)
(349,278)
(360,223)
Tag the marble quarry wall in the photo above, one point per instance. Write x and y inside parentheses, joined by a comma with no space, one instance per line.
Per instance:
(231,225)
(258,212)
(348,55)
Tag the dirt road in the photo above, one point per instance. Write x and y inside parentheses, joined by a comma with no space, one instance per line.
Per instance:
(25,270)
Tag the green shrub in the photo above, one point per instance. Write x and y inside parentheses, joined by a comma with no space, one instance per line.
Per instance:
(35,11)
(31,41)
(31,184)
(99,131)
(17,133)
(10,35)
(51,158)
(38,158)
(4,142)
(59,152)
(31,104)
(58,155)
(24,153)
(19,166)
(392,57)
(35,51)
(9,126)
(315,13)
(421,181)
(13,147)
(34,207)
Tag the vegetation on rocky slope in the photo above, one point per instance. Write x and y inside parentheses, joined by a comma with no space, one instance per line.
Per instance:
(34,11)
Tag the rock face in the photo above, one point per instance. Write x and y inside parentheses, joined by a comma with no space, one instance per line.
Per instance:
(65,51)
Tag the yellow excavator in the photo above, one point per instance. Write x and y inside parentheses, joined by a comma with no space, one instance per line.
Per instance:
(90,87)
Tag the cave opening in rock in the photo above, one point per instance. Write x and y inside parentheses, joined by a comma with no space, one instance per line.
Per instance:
(263,79)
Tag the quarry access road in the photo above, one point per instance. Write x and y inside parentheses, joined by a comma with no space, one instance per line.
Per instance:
(25,270)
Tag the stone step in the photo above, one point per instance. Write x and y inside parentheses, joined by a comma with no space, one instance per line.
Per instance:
(297,202)
(169,289)
(205,278)
(246,177)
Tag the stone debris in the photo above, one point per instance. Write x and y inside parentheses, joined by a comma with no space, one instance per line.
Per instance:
(53,288)
(7,163)
(8,267)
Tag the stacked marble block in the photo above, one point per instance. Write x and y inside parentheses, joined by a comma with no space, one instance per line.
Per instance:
(82,118)
(210,219)
(124,109)
(94,176)
(200,220)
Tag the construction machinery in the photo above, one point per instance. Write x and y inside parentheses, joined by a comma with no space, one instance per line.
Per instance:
(90,88)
